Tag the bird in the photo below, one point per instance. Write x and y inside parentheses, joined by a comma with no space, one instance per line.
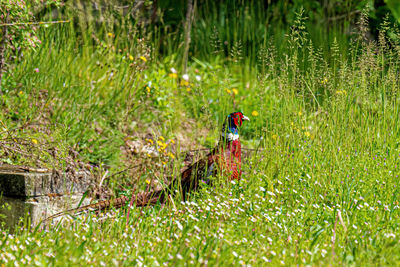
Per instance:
(225,159)
(229,149)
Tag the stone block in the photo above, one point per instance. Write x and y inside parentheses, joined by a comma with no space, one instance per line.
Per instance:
(35,209)
(26,184)
(35,196)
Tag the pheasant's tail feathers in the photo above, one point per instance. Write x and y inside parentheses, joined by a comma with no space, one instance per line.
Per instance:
(117,203)
(149,198)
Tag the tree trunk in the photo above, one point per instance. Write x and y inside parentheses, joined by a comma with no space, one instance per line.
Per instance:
(188,28)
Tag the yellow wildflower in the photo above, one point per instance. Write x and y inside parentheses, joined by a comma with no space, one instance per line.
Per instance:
(184,83)
(164,163)
(173,75)
(171,155)
(188,89)
(148,89)
(274,136)
(150,141)
(254,113)
(172,141)
(235,91)
(161,138)
(34,141)
(143,58)
(131,57)
(300,113)
(307,134)
(110,34)
(147,181)
(20,93)
(162,145)
(341,92)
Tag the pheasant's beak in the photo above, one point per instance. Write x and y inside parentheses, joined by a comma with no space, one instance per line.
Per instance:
(245,118)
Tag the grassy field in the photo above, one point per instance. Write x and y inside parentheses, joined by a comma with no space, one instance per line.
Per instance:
(322,188)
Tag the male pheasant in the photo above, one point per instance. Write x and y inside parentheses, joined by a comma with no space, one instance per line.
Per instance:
(224,159)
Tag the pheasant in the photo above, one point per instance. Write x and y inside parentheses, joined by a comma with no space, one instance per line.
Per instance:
(224,159)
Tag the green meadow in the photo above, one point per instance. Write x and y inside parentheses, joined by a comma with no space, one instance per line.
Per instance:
(320,178)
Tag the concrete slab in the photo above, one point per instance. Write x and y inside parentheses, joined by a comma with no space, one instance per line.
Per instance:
(34,210)
(35,196)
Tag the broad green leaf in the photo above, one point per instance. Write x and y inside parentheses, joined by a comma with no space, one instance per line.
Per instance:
(394,6)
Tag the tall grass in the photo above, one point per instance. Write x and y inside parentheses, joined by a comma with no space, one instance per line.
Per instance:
(322,189)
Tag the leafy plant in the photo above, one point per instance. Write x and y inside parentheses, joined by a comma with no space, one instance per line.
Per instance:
(18,29)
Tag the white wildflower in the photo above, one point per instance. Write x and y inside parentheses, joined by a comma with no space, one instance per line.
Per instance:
(265,259)
(271,193)
(179,225)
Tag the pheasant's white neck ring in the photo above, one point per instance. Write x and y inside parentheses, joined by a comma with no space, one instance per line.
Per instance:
(230,136)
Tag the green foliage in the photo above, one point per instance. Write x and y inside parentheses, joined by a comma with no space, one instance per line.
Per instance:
(17,17)
(14,12)
(394,6)
(17,29)
(321,189)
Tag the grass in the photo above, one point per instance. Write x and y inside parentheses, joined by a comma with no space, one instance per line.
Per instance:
(322,190)
(284,211)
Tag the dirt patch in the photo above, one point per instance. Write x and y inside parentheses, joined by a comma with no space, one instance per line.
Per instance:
(153,157)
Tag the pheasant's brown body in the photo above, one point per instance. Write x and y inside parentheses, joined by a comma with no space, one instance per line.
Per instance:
(224,160)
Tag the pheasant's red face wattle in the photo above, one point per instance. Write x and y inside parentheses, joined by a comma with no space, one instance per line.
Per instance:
(238,118)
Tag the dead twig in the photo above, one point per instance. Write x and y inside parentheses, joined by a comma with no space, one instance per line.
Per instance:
(23,168)
(33,23)
(102,179)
